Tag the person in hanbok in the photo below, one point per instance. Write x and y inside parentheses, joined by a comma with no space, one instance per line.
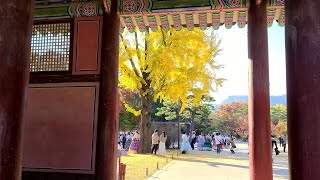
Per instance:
(185,146)
(135,143)
(214,144)
(223,140)
(200,141)
(227,143)
(207,146)
(162,144)
(121,151)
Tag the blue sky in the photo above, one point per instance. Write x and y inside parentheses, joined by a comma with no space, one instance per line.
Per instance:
(234,58)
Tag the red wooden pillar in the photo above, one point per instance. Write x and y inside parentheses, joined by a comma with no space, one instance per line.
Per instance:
(259,103)
(106,161)
(303,88)
(15,43)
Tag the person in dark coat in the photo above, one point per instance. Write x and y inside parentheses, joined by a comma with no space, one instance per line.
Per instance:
(274,144)
(124,140)
(193,139)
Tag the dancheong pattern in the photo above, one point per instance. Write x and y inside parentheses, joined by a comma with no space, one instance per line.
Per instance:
(229,20)
(281,20)
(216,21)
(121,28)
(146,6)
(129,24)
(140,23)
(152,23)
(135,6)
(190,22)
(177,22)
(107,5)
(85,9)
(270,16)
(242,19)
(279,3)
(164,22)
(203,21)
(138,15)
(225,4)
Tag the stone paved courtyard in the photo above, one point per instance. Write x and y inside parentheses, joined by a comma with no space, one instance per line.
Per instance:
(207,165)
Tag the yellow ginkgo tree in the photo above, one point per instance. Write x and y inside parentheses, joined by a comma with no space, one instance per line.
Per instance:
(169,66)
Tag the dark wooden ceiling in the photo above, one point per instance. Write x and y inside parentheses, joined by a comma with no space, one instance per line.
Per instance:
(50,1)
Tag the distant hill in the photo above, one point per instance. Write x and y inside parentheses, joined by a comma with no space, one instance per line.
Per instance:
(273,99)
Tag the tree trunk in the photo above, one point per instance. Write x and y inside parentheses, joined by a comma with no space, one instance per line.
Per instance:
(193,113)
(145,125)
(179,130)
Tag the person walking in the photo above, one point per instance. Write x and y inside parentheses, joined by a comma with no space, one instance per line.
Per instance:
(128,141)
(232,145)
(185,147)
(227,139)
(218,140)
(274,143)
(193,139)
(284,143)
(121,151)
(155,142)
(200,142)
(162,144)
(207,146)
(223,140)
(280,141)
(124,140)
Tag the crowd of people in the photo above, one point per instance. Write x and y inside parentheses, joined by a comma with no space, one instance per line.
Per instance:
(209,142)
(212,141)
(130,142)
(282,143)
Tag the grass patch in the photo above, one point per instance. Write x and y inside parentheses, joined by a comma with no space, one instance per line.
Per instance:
(137,164)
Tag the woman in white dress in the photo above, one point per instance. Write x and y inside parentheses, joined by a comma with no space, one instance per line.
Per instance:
(185,144)
(162,144)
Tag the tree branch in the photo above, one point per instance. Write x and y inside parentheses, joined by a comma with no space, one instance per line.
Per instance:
(131,61)
(137,46)
(163,37)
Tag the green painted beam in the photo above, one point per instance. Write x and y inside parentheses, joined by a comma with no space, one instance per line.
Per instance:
(171,4)
(51,12)
(62,10)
